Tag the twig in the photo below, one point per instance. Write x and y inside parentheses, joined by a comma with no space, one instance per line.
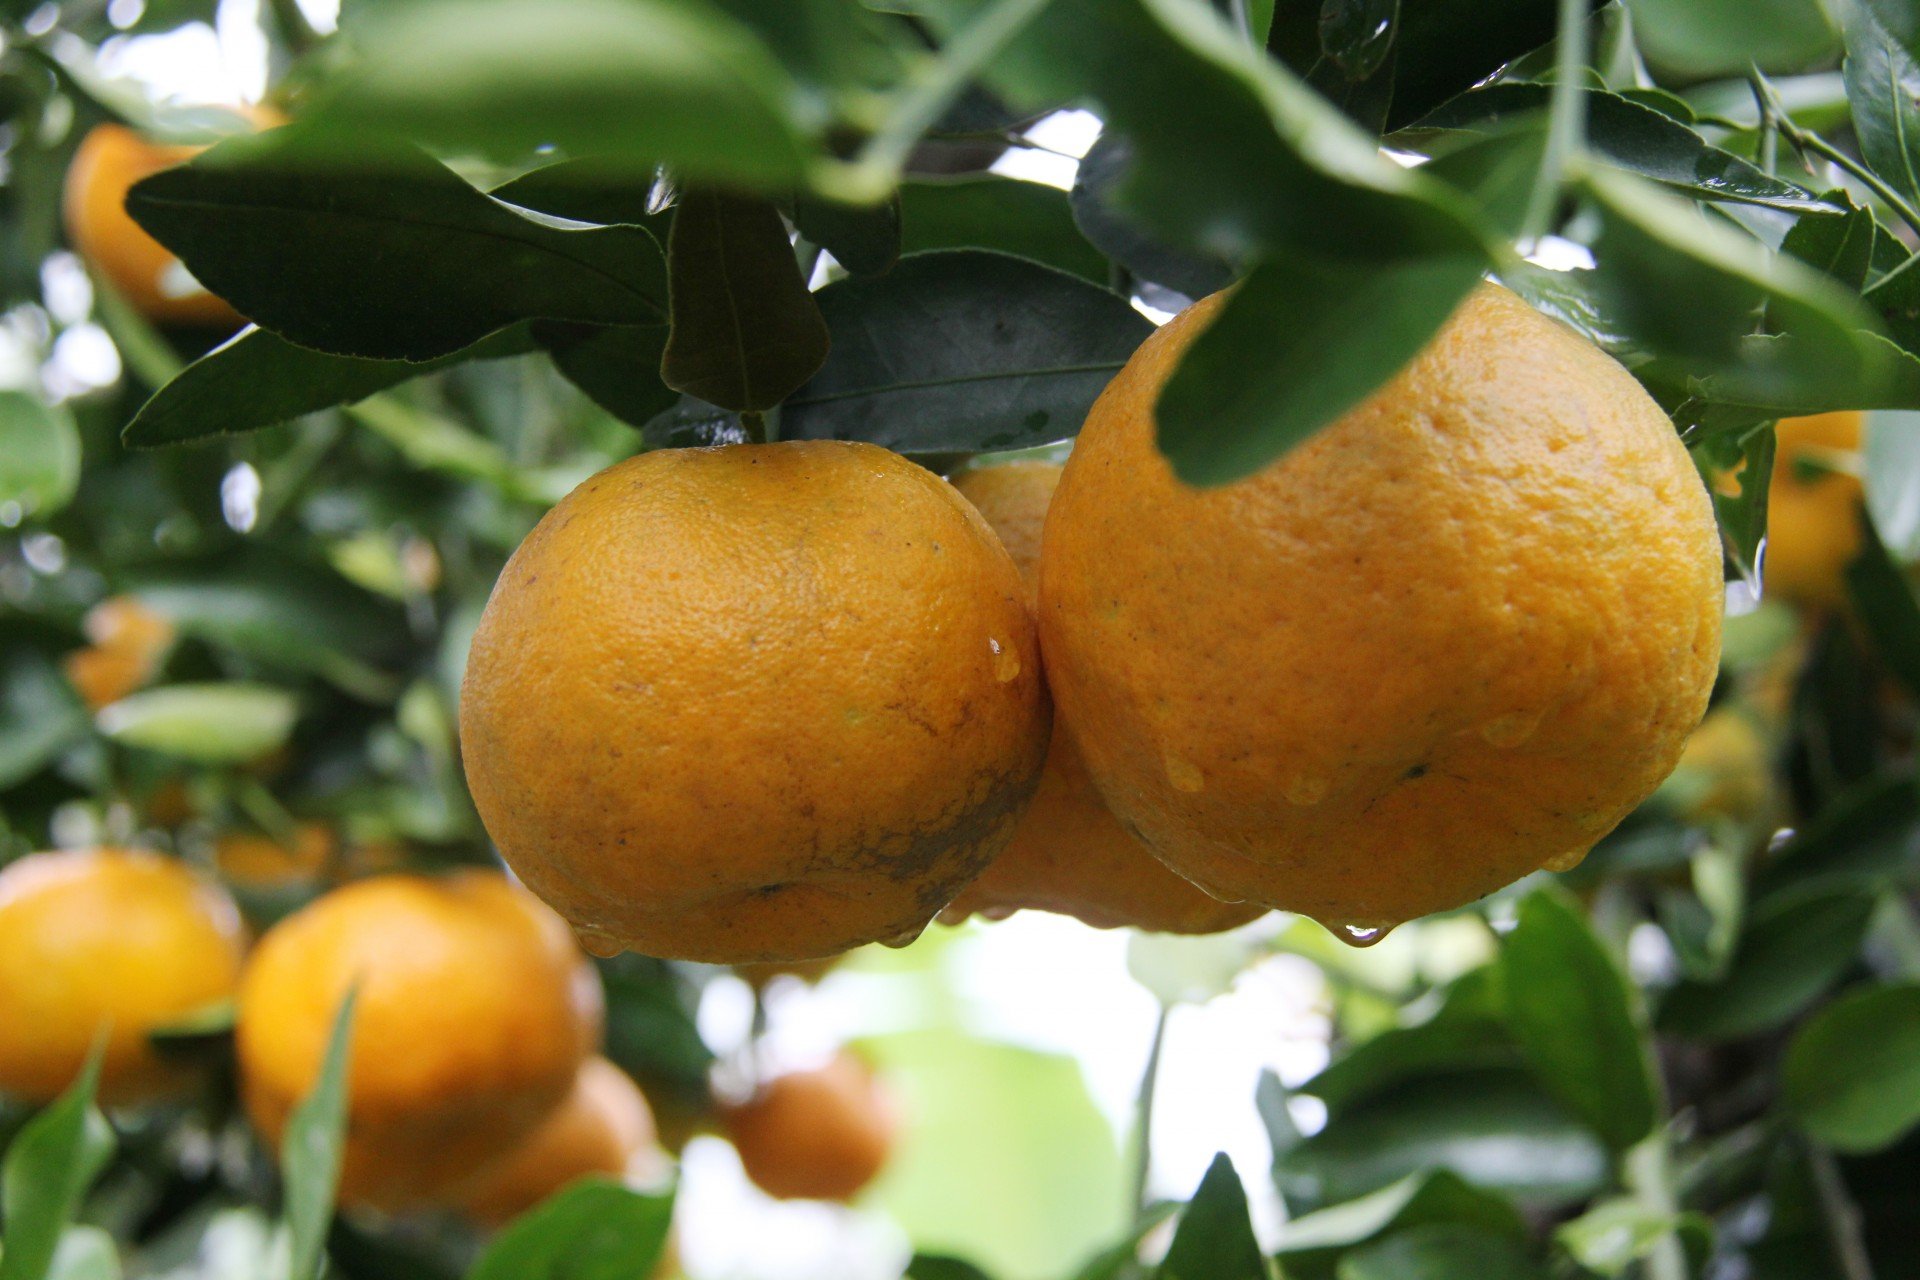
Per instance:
(1842,1216)
(1805,140)
(1143,1116)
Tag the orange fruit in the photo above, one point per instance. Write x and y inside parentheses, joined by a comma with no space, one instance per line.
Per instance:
(109,160)
(474,1013)
(110,941)
(604,1127)
(1813,521)
(758,702)
(127,644)
(822,1134)
(1454,637)
(1069,854)
(258,861)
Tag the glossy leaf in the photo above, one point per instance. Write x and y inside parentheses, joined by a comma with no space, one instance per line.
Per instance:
(394,258)
(311,1149)
(206,723)
(1496,1129)
(1118,234)
(1793,950)
(618,366)
(256,379)
(49,1166)
(962,351)
(652,81)
(1852,1074)
(1442,1252)
(1575,1016)
(1297,345)
(1839,246)
(1702,38)
(1355,35)
(746,333)
(1863,837)
(596,189)
(1214,1238)
(987,211)
(1614,1235)
(39,457)
(1314,1243)
(40,714)
(1466,1032)
(1883,88)
(1737,465)
(865,239)
(594,1230)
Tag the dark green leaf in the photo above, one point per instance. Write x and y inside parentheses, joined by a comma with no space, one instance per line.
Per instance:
(1852,1074)
(1466,1032)
(394,258)
(40,714)
(256,379)
(650,1027)
(1442,1252)
(1496,1129)
(655,81)
(1314,1243)
(1575,1016)
(1445,47)
(865,239)
(618,366)
(1118,235)
(310,1151)
(1636,138)
(1792,951)
(1884,602)
(987,211)
(594,1230)
(1738,468)
(1841,247)
(1883,87)
(1214,1239)
(746,333)
(205,1033)
(1862,837)
(1697,39)
(927,1266)
(1896,297)
(39,456)
(48,1168)
(962,351)
(1298,344)
(1356,34)
(1497,170)
(596,189)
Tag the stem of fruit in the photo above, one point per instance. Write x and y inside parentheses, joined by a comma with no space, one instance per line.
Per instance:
(1566,125)
(754,424)
(1143,1115)
(873,175)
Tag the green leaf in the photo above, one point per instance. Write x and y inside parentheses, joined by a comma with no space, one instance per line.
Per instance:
(1863,837)
(617,366)
(1356,34)
(594,1230)
(39,457)
(1852,1074)
(1740,460)
(1466,1032)
(1793,950)
(1314,1243)
(1884,602)
(1635,138)
(1214,1239)
(205,723)
(929,1266)
(49,1166)
(1841,247)
(310,1151)
(1615,1234)
(650,1027)
(1496,1129)
(987,211)
(746,333)
(961,351)
(1689,290)
(1698,39)
(256,379)
(593,189)
(1442,1252)
(646,81)
(1298,344)
(1095,205)
(40,714)
(865,239)
(1883,81)
(85,1253)
(388,256)
(1575,1016)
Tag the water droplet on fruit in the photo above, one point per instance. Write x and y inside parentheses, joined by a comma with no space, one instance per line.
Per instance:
(901,940)
(1565,861)
(1304,789)
(1359,934)
(1184,774)
(1511,729)
(598,942)
(1006,663)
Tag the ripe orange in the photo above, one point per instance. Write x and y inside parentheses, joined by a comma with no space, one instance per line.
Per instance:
(127,642)
(604,1127)
(822,1134)
(109,160)
(257,861)
(760,975)
(1453,638)
(474,1013)
(1069,854)
(114,941)
(759,702)
(1813,521)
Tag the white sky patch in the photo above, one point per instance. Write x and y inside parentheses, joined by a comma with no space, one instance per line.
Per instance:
(83,359)
(1070,133)
(240,497)
(1034,165)
(1558,254)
